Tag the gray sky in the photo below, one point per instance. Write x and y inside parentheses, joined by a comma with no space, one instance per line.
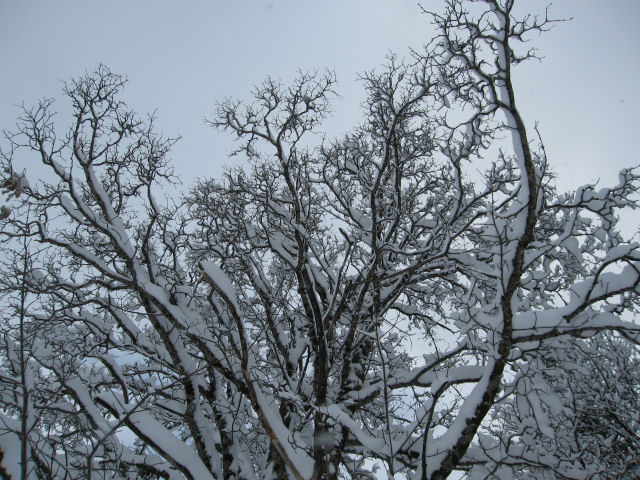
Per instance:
(181,57)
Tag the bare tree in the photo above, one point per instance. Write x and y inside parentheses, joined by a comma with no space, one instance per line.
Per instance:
(369,302)
(18,371)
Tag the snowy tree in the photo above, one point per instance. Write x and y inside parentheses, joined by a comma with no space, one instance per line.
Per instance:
(370,304)
(587,405)
(17,397)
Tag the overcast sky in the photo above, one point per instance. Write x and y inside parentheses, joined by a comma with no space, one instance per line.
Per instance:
(181,57)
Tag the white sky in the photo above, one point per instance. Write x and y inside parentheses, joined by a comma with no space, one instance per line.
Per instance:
(181,57)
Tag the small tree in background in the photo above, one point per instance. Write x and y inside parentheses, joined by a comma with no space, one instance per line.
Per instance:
(575,404)
(369,302)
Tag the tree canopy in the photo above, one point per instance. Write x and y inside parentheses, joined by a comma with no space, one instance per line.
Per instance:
(413,299)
